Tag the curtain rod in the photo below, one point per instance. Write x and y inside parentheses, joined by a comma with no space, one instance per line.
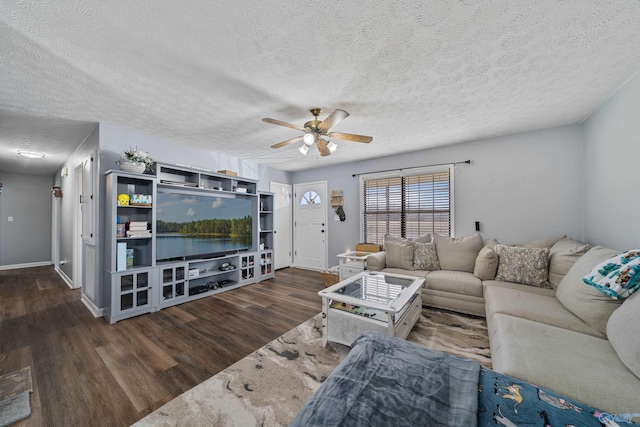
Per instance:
(468,162)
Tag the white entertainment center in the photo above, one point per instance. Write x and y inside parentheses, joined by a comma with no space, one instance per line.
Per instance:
(142,283)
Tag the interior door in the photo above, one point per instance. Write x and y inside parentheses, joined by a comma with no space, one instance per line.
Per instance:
(310,225)
(86,201)
(283,224)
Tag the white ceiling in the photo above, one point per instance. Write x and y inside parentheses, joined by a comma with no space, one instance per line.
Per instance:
(413,74)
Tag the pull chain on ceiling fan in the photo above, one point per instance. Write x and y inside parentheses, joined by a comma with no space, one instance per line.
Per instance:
(315,131)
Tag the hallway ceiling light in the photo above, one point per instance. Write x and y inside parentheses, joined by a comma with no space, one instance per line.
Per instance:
(31,154)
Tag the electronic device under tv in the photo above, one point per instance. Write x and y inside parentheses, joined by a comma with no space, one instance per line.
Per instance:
(196,225)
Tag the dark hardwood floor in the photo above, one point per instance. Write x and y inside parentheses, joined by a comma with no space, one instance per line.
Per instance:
(87,372)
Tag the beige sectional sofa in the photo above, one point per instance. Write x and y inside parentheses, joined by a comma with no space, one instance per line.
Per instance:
(558,332)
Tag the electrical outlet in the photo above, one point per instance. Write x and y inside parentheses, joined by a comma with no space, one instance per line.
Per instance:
(10,219)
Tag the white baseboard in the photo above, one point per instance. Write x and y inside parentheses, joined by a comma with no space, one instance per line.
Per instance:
(64,277)
(97,312)
(26,265)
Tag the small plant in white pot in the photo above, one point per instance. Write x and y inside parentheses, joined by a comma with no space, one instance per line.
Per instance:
(135,161)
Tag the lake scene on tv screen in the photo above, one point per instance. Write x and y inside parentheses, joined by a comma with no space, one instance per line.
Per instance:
(188,226)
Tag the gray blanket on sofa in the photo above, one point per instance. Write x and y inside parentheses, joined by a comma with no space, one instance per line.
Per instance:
(387,381)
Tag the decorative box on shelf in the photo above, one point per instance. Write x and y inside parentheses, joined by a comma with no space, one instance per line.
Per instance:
(228,172)
(141,200)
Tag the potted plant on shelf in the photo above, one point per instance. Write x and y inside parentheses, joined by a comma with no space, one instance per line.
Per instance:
(135,161)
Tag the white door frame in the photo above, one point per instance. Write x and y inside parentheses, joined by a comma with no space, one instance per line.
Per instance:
(296,194)
(77,228)
(283,254)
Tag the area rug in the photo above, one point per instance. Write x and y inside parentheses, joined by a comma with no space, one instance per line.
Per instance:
(14,396)
(268,387)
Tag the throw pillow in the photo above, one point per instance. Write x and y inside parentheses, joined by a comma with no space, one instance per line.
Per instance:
(425,256)
(529,266)
(458,253)
(562,256)
(399,252)
(586,302)
(618,277)
(486,264)
(623,332)
(491,244)
(426,238)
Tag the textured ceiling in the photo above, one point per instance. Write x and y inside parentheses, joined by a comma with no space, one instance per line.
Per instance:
(413,74)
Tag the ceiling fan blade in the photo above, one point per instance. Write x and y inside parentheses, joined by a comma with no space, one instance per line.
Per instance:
(322,147)
(287,142)
(333,119)
(285,124)
(350,137)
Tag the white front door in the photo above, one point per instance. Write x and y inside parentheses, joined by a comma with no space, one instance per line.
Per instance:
(310,220)
(283,224)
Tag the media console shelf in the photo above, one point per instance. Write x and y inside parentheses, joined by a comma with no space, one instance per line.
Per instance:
(136,283)
(185,176)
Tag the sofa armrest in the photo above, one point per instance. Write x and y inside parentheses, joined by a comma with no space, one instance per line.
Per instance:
(376,261)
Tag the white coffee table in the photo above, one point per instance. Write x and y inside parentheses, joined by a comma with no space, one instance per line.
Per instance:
(370,301)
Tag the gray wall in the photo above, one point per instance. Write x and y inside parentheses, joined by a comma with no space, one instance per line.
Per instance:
(611,138)
(27,239)
(520,187)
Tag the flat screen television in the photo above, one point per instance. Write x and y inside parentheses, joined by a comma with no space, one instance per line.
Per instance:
(192,226)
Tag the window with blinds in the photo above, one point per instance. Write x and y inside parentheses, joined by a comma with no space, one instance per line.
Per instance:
(406,206)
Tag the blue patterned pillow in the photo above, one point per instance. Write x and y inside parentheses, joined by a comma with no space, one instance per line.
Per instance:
(617,277)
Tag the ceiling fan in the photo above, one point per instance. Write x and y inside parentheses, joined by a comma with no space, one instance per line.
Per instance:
(315,131)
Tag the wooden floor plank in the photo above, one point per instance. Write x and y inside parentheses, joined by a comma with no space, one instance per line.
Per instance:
(129,374)
(152,357)
(88,372)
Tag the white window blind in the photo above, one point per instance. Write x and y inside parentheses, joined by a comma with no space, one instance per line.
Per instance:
(407,206)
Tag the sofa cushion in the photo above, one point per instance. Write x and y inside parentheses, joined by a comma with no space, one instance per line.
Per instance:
(583,300)
(623,331)
(458,253)
(512,285)
(547,242)
(414,273)
(529,266)
(618,277)
(457,282)
(486,264)
(562,256)
(580,366)
(377,261)
(399,252)
(539,308)
(425,256)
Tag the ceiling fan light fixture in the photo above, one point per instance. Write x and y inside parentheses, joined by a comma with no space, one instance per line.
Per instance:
(332,146)
(309,138)
(304,149)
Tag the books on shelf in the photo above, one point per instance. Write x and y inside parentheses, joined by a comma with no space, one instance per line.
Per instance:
(137,223)
(138,229)
(140,233)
